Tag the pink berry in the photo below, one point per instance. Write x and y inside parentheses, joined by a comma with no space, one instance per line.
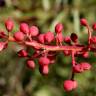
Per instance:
(44,70)
(22,53)
(24,28)
(83,22)
(49,37)
(78,68)
(60,37)
(93,39)
(75,84)
(58,28)
(67,39)
(68,85)
(30,64)
(94,26)
(74,37)
(44,61)
(67,53)
(9,25)
(19,36)
(3,45)
(2,34)
(52,59)
(85,54)
(85,66)
(41,38)
(33,31)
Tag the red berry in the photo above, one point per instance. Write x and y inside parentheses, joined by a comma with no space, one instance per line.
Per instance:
(93,39)
(49,37)
(58,28)
(78,68)
(94,26)
(67,53)
(3,45)
(85,54)
(60,37)
(75,84)
(52,59)
(9,25)
(85,66)
(2,35)
(83,22)
(41,38)
(19,36)
(44,61)
(24,28)
(74,37)
(33,31)
(30,64)
(22,53)
(68,85)
(44,70)
(67,39)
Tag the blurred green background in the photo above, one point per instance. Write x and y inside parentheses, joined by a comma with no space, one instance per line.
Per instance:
(15,78)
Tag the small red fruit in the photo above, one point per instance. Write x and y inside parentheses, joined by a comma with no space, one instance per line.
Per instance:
(44,70)
(67,53)
(74,37)
(68,85)
(67,39)
(93,40)
(24,28)
(19,36)
(22,53)
(52,59)
(85,66)
(9,24)
(58,28)
(85,54)
(94,26)
(30,64)
(75,84)
(33,31)
(44,61)
(83,22)
(2,34)
(3,45)
(49,37)
(41,38)
(78,68)
(60,37)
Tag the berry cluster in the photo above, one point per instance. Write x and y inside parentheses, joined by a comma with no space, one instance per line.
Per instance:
(47,45)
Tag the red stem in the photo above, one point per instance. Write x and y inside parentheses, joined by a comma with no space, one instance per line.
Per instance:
(89,34)
(54,48)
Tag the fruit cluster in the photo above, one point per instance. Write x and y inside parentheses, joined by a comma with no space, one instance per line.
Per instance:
(48,45)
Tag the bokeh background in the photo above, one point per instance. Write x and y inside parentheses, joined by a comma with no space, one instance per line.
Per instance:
(15,78)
